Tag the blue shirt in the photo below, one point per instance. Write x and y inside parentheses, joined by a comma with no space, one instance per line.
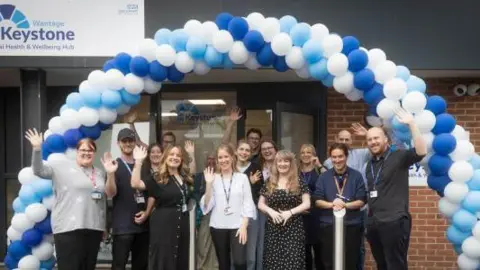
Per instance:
(354,190)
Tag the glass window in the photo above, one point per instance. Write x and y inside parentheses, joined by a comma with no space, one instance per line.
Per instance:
(260,119)
(13,187)
(297,129)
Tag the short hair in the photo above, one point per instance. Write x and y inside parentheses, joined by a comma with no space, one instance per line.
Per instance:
(169,133)
(89,142)
(340,146)
(255,130)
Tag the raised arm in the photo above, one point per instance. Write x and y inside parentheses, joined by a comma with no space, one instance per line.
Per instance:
(38,168)
(207,202)
(407,118)
(139,154)
(130,118)
(190,149)
(110,165)
(233,117)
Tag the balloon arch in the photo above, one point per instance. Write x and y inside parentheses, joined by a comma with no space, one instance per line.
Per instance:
(312,51)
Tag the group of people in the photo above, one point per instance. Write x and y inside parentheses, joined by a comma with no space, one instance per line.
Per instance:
(259,207)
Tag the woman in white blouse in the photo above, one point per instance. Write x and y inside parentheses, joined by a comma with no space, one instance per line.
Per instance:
(228,195)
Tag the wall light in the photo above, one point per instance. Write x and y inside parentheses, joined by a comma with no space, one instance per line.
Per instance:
(207,101)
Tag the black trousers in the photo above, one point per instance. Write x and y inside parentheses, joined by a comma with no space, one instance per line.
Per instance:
(77,250)
(389,242)
(136,243)
(225,243)
(314,261)
(353,240)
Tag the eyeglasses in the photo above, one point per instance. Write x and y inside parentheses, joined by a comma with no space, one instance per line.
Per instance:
(267,148)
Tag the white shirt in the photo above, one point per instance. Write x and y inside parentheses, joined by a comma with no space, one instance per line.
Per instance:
(240,202)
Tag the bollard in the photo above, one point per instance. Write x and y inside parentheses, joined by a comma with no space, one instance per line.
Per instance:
(338,244)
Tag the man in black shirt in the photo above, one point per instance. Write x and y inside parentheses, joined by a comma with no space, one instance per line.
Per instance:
(389,221)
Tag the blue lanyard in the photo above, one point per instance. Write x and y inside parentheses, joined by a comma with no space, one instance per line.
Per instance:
(376,179)
(126,165)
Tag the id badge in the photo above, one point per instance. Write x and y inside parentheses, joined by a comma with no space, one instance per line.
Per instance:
(184,208)
(373,194)
(227,211)
(97,195)
(139,198)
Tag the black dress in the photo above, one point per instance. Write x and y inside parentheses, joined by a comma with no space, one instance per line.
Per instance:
(284,244)
(169,227)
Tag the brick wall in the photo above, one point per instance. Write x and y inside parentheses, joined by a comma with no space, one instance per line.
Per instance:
(429,248)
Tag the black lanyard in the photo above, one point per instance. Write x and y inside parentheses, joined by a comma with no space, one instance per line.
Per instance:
(183,189)
(227,195)
(376,178)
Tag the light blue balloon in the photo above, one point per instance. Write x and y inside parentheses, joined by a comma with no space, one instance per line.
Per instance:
(312,51)
(196,47)
(403,73)
(111,99)
(464,220)
(92,98)
(472,201)
(18,205)
(63,108)
(397,125)
(475,161)
(286,23)
(300,33)
(74,101)
(474,183)
(213,58)
(178,40)
(416,84)
(162,36)
(27,195)
(227,63)
(455,236)
(319,70)
(328,81)
(42,187)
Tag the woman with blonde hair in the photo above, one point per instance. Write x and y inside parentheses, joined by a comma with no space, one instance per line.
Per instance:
(283,199)
(169,221)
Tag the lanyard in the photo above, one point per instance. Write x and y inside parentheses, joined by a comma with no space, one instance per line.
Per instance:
(126,165)
(376,178)
(335,179)
(227,195)
(91,177)
(182,188)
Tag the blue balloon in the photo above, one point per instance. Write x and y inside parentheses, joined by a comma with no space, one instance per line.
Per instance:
(162,36)
(253,41)
(139,66)
(122,62)
(403,73)
(266,56)
(10,262)
(444,144)
(286,23)
(238,27)
(45,151)
(312,51)
(45,226)
(475,161)
(404,136)
(472,202)
(92,98)
(227,62)
(56,144)
(456,236)
(18,250)
(74,101)
(350,44)
(157,72)
(474,183)
(63,108)
(398,126)
(464,220)
(18,205)
(436,104)
(438,183)
(223,19)
(416,84)
(374,95)
(212,57)
(42,187)
(279,64)
(445,124)
(319,70)
(104,126)
(28,196)
(364,79)
(110,64)
(174,75)
(300,33)
(328,81)
(372,110)
(458,249)
(178,40)
(357,60)
(439,165)
(72,137)
(93,132)
(196,47)
(111,99)
(48,264)
(32,237)
(129,99)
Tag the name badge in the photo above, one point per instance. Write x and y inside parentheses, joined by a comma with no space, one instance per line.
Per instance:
(139,198)
(184,208)
(97,195)
(373,194)
(228,211)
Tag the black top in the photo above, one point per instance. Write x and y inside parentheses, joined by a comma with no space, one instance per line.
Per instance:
(391,202)
(253,168)
(198,186)
(255,158)
(124,204)
(168,194)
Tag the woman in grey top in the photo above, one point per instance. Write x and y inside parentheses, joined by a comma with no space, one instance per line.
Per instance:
(79,209)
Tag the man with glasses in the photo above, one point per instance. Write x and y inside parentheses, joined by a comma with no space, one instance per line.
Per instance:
(254,136)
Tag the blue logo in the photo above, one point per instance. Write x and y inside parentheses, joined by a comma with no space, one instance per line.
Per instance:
(11,13)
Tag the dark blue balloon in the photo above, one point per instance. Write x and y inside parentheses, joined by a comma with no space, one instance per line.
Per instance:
(129,99)
(174,75)
(265,56)
(110,64)
(436,104)
(350,43)
(253,41)
(45,151)
(17,249)
(444,144)
(32,237)
(104,126)
(45,226)
(139,66)
(122,62)
(72,136)
(279,64)
(56,144)
(372,110)
(364,79)
(438,183)
(357,60)
(445,124)
(93,132)
(223,19)
(10,262)
(158,72)
(238,27)
(374,95)
(439,165)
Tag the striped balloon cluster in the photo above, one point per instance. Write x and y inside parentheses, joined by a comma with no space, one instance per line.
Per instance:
(313,52)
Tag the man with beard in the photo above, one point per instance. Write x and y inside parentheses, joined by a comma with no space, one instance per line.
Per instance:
(389,221)
(129,229)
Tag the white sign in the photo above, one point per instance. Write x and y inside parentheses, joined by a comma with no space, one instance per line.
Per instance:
(70,27)
(417,176)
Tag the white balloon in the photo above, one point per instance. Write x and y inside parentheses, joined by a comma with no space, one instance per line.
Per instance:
(471,247)
(201,68)
(414,102)
(447,208)
(386,71)
(184,63)
(460,171)
(459,133)
(463,151)
(44,251)
(270,28)
(71,153)
(252,62)
(69,119)
(193,27)
(96,80)
(386,108)
(455,192)
(222,41)
(123,109)
(303,72)
(47,134)
(114,79)
(337,64)
(425,121)
(48,202)
(332,44)
(83,85)
(151,86)
(238,53)
(476,230)
(13,234)
(148,49)
(255,20)
(55,125)
(165,55)
(57,158)
(209,29)
(319,31)
(26,176)
(36,212)
(424,161)
(107,116)
(88,116)
(466,263)
(354,95)
(374,121)
(428,138)
(294,58)
(375,57)
(48,238)
(21,223)
(281,44)
(395,89)
(344,84)
(29,262)
(133,84)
